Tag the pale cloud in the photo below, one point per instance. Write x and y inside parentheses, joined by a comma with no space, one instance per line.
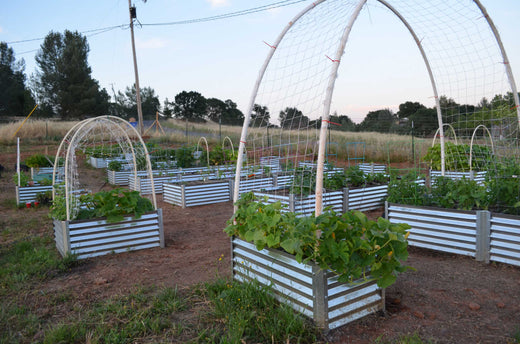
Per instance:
(218,3)
(152,43)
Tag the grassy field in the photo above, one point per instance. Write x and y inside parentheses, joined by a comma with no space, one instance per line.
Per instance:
(373,147)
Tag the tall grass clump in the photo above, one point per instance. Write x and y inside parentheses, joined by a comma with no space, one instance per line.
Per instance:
(35,130)
(247,312)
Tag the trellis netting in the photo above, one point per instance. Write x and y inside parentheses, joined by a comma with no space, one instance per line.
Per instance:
(98,140)
(285,129)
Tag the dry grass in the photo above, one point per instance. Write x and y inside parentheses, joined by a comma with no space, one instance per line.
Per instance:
(34,129)
(378,147)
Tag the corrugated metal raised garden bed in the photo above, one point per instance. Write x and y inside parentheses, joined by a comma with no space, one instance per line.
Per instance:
(307,288)
(95,237)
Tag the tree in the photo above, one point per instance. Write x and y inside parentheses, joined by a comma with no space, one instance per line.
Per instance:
(15,99)
(167,110)
(407,109)
(63,82)
(190,106)
(345,123)
(226,112)
(127,102)
(382,121)
(292,118)
(260,116)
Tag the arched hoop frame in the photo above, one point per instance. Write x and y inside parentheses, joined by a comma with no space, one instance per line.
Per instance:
(472,140)
(207,147)
(333,76)
(76,135)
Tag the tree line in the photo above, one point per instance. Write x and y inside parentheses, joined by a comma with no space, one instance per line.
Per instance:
(64,88)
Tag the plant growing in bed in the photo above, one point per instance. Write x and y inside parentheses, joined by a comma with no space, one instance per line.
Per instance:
(349,244)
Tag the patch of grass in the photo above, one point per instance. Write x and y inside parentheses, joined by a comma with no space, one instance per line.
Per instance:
(25,260)
(123,319)
(243,312)
(515,339)
(404,339)
(16,323)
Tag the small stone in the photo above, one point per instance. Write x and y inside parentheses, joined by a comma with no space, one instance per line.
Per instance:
(100,281)
(418,314)
(474,306)
(501,305)
(396,301)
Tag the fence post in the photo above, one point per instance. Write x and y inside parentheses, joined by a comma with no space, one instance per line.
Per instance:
(183,195)
(386,210)
(483,236)
(275,180)
(231,187)
(320,297)
(345,200)
(161,227)
(291,202)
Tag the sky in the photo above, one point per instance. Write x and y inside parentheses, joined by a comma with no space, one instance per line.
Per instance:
(222,58)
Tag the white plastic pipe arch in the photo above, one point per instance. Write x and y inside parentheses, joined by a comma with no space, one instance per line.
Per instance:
(332,78)
(71,137)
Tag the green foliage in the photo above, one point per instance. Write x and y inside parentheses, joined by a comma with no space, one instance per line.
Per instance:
(350,244)
(115,165)
(114,205)
(190,106)
(457,157)
(220,156)
(248,312)
(463,194)
(304,181)
(24,178)
(63,79)
(112,151)
(503,185)
(45,198)
(355,176)
(39,160)
(184,157)
(15,97)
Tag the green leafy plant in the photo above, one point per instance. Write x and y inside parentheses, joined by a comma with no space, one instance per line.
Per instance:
(115,165)
(38,160)
(350,245)
(114,204)
(457,157)
(45,198)
(355,176)
(184,157)
(24,179)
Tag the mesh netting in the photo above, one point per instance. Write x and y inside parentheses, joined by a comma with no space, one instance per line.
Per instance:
(471,84)
(96,142)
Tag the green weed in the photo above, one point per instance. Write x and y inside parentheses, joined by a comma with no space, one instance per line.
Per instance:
(247,311)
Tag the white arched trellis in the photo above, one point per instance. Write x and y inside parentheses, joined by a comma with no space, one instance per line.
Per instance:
(398,8)
(106,127)
(483,127)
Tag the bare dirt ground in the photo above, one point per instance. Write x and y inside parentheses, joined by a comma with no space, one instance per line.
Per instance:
(447,299)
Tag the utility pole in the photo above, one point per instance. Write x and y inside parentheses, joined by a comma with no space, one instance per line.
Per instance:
(133,15)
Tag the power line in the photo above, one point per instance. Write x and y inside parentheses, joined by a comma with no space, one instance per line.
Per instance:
(98,31)
(231,14)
